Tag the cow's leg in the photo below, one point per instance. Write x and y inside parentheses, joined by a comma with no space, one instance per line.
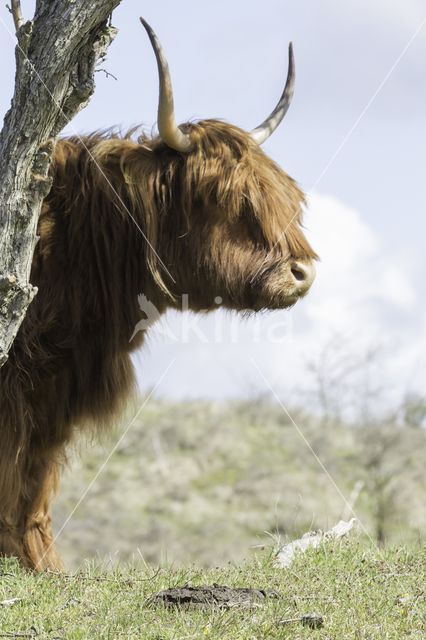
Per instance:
(38,541)
(27,484)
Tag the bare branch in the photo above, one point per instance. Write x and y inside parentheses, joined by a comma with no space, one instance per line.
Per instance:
(17,14)
(107,73)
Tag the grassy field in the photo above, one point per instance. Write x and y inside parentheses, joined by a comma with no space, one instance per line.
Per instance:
(197,488)
(360,593)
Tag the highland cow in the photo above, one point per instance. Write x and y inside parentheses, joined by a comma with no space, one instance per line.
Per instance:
(199,210)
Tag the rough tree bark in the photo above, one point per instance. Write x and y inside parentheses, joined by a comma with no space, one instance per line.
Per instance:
(56,57)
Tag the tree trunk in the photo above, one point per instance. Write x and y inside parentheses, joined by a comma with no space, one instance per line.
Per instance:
(56,57)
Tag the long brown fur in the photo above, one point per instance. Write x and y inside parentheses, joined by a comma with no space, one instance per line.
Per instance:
(125,217)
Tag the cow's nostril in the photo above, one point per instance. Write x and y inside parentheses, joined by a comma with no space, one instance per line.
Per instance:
(298,274)
(303,275)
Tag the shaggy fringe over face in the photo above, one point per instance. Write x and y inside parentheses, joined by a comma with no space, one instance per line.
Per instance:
(226,169)
(229,169)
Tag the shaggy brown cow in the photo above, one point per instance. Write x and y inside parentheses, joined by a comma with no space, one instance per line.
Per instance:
(199,210)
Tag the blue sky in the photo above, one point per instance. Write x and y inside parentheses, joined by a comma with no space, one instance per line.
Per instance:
(358,63)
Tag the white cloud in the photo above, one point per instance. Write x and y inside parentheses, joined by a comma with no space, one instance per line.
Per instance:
(396,287)
(356,275)
(361,293)
(338,232)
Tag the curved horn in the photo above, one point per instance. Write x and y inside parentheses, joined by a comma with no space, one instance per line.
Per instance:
(167,127)
(264,130)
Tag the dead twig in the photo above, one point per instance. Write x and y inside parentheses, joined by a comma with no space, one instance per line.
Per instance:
(107,73)
(17,634)
(32,633)
(311,620)
(312,540)
(10,602)
(125,581)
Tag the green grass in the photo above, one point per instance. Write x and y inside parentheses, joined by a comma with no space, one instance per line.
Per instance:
(360,592)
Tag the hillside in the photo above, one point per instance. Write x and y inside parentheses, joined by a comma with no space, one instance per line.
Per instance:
(205,482)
